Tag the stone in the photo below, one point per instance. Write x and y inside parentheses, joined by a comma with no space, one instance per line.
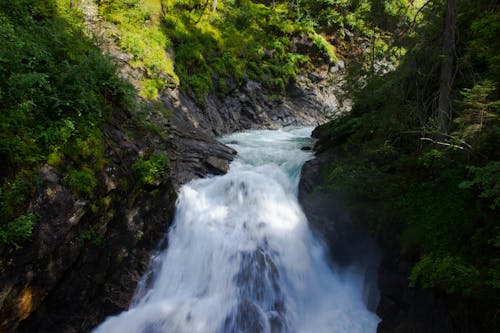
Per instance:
(340,64)
(218,165)
(348,35)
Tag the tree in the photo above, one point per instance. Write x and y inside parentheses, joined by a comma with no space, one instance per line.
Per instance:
(446,77)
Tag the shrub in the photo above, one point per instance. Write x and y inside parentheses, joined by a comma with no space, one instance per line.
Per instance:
(486,180)
(81,182)
(150,171)
(324,48)
(449,273)
(18,230)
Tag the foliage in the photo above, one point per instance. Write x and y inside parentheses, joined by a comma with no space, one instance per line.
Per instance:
(449,273)
(56,90)
(16,224)
(238,40)
(439,191)
(486,178)
(140,34)
(81,182)
(215,48)
(149,171)
(479,118)
(18,230)
(92,236)
(324,47)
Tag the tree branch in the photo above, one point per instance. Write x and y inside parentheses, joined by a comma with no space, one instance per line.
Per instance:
(442,143)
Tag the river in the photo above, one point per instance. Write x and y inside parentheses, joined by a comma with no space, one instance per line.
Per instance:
(241,257)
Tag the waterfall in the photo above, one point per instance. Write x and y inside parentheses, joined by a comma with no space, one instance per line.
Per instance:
(241,257)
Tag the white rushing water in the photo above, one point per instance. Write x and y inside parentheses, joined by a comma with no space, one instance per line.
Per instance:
(241,257)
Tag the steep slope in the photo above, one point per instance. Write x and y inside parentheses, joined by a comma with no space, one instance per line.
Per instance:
(423,180)
(103,201)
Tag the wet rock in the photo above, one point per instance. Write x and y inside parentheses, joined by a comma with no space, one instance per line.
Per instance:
(190,149)
(332,216)
(405,309)
(218,165)
(309,101)
(349,244)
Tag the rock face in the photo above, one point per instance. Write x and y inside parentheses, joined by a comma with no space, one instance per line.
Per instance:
(309,101)
(349,243)
(194,153)
(401,308)
(87,256)
(405,309)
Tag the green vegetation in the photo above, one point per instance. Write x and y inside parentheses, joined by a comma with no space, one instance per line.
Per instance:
(215,48)
(149,171)
(17,231)
(421,141)
(56,90)
(81,182)
(437,186)
(237,40)
(323,47)
(91,235)
(140,34)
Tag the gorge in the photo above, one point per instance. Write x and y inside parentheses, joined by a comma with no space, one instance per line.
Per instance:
(158,173)
(253,263)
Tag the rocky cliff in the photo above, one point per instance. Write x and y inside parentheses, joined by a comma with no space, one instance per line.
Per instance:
(344,224)
(86,256)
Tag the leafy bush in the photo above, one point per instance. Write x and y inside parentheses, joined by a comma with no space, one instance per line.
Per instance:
(17,231)
(57,89)
(151,170)
(81,182)
(437,191)
(325,49)
(486,179)
(448,273)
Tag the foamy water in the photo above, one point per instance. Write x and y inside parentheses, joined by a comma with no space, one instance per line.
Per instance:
(241,257)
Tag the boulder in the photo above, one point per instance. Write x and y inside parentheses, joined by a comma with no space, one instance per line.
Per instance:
(217,165)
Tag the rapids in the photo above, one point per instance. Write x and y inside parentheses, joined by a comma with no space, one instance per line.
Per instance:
(241,257)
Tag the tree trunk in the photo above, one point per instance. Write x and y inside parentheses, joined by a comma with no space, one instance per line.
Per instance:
(214,6)
(446,79)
